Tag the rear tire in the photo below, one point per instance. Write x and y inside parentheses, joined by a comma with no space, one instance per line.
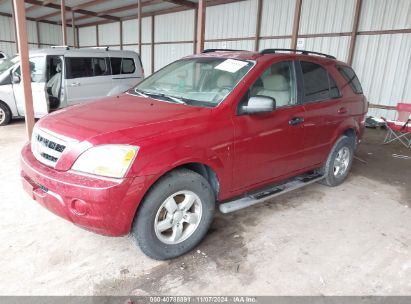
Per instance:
(339,162)
(5,114)
(175,215)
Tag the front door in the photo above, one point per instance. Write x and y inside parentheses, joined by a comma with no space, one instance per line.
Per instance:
(270,146)
(38,87)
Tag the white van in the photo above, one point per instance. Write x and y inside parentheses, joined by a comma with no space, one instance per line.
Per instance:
(62,77)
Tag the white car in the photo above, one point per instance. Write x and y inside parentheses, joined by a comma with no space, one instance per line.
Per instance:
(63,77)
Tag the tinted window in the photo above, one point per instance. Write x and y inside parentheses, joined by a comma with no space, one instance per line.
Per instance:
(1,55)
(100,67)
(277,81)
(318,84)
(351,78)
(78,67)
(315,79)
(122,66)
(127,66)
(115,66)
(334,90)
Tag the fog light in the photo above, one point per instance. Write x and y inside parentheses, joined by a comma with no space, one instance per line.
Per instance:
(79,207)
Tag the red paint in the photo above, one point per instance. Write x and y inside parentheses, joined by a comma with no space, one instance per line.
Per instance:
(245,152)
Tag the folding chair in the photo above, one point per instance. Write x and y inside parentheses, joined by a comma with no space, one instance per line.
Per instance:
(400,129)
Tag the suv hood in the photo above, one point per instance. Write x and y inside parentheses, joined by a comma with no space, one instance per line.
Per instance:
(112,120)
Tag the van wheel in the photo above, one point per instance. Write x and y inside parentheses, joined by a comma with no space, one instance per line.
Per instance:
(175,215)
(339,162)
(5,114)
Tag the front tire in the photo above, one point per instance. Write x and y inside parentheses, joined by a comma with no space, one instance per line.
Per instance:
(175,215)
(5,114)
(339,162)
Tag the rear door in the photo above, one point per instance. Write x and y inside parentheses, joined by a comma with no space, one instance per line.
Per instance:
(87,78)
(38,87)
(269,146)
(324,111)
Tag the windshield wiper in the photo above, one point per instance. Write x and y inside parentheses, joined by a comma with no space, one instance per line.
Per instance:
(168,97)
(139,92)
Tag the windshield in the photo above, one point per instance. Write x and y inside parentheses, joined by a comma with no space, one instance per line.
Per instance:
(203,82)
(5,64)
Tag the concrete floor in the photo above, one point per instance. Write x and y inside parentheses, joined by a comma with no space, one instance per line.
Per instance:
(354,239)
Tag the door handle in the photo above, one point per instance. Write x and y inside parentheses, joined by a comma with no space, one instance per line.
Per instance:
(75,84)
(295,121)
(342,110)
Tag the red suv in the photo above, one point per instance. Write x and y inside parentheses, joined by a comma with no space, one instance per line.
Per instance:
(228,128)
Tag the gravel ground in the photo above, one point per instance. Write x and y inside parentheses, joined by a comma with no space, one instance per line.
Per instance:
(350,240)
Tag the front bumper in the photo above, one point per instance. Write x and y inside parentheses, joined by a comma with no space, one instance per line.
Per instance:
(103,205)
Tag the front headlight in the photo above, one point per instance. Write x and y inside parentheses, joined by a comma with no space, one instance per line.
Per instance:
(106,160)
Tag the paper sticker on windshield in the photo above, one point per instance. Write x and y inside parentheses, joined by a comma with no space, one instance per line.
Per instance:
(231,65)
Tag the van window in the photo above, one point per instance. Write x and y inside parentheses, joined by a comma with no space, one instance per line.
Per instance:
(318,84)
(37,69)
(122,66)
(78,67)
(100,67)
(127,66)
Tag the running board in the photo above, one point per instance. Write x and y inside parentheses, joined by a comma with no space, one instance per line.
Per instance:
(259,197)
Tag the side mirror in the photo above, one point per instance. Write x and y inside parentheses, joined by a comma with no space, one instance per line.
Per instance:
(16,78)
(259,104)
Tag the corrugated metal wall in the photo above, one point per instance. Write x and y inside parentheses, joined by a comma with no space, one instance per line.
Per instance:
(173,35)
(382,60)
(50,34)
(7,35)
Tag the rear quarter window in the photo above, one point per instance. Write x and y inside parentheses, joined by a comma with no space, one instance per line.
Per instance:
(121,66)
(351,78)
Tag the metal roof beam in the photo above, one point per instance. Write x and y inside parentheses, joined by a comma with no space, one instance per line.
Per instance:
(69,9)
(73,9)
(123,8)
(183,3)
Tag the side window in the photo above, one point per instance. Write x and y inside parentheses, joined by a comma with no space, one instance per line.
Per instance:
(115,66)
(278,82)
(315,79)
(351,78)
(100,66)
(37,69)
(334,90)
(77,67)
(128,66)
(122,66)
(318,84)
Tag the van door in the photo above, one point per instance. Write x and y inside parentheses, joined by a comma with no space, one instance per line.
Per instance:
(87,79)
(38,87)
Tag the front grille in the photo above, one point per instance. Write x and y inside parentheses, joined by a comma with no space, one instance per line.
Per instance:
(47,148)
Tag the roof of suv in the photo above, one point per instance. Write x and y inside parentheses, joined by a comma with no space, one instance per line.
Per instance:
(249,55)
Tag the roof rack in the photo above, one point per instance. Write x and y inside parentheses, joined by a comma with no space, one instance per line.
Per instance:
(221,50)
(60,47)
(100,48)
(304,52)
